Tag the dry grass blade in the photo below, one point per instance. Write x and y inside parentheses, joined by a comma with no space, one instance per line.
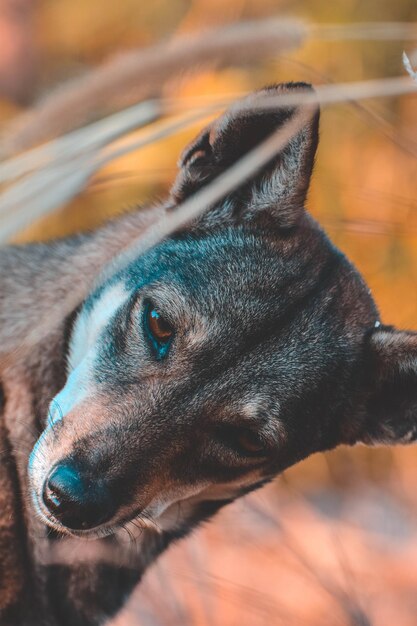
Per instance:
(134,75)
(22,204)
(409,68)
(43,193)
(382,31)
(90,137)
(402,140)
(102,133)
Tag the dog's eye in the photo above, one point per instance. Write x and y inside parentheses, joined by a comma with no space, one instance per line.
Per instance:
(160,329)
(157,329)
(250,442)
(245,441)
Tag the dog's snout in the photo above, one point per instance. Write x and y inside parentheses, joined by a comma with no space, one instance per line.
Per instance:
(77,502)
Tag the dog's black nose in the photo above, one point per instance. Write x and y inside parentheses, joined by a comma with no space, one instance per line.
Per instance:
(78,503)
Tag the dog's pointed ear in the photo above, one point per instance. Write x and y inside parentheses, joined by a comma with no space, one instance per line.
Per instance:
(391,375)
(279,189)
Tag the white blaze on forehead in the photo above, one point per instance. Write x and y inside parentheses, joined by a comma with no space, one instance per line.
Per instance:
(90,324)
(83,348)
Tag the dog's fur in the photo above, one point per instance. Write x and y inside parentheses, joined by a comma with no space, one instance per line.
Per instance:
(276,340)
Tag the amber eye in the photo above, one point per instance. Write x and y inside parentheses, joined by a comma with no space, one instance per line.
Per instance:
(157,329)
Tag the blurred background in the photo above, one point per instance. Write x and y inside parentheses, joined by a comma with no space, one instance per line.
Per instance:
(334,540)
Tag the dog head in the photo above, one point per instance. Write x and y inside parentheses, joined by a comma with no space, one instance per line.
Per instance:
(228,352)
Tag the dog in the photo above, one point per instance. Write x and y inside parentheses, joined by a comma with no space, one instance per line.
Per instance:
(228,352)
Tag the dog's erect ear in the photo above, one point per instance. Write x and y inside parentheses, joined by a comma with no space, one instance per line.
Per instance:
(391,371)
(279,189)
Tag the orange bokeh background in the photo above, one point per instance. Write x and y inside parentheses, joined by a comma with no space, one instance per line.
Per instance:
(335,539)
